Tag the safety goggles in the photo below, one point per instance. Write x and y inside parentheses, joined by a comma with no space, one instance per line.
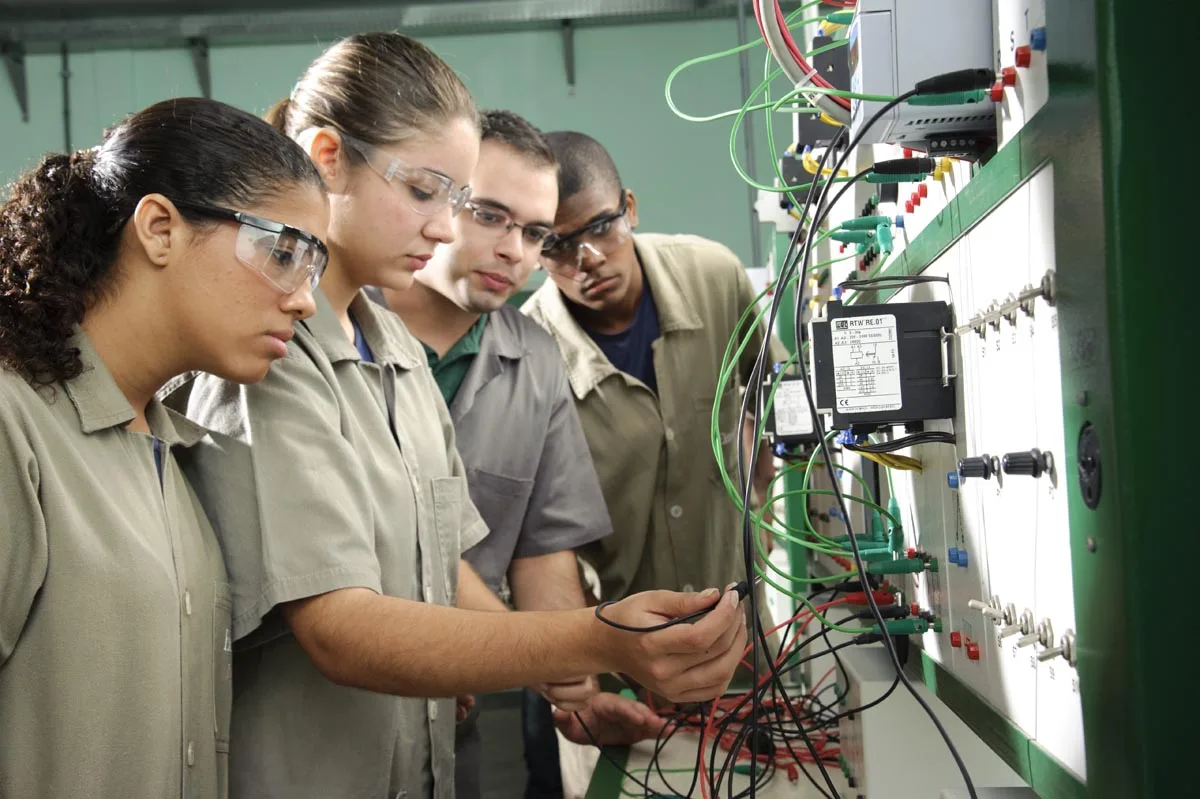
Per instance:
(286,256)
(564,254)
(426,192)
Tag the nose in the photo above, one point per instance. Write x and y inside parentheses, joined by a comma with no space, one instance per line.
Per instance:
(588,258)
(440,227)
(300,304)
(510,247)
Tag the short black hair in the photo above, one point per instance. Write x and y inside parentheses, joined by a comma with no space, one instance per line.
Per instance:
(581,161)
(514,131)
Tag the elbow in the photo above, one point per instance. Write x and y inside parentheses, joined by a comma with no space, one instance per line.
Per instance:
(324,631)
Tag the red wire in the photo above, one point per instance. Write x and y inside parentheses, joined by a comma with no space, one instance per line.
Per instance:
(817,80)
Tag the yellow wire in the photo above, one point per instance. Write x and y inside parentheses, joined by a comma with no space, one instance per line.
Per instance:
(893,461)
(811,164)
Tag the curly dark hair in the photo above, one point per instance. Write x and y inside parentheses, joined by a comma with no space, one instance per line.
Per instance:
(61,227)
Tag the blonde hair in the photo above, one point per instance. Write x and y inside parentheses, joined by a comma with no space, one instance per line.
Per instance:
(380,88)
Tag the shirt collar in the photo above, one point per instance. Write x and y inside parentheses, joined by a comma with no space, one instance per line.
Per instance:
(502,336)
(469,344)
(101,405)
(587,365)
(387,347)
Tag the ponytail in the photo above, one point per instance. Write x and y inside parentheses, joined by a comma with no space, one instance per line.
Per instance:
(61,228)
(277,115)
(58,244)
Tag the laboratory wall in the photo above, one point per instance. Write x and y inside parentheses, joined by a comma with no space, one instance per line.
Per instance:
(680,171)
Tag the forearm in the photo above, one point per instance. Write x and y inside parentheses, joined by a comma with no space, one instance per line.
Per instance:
(473,593)
(379,643)
(546,582)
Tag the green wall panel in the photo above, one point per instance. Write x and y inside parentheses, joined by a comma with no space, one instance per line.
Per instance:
(680,171)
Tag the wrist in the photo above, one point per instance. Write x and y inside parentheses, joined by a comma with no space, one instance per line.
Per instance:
(603,644)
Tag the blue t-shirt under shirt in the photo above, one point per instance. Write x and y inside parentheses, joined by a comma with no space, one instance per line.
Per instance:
(631,350)
(360,343)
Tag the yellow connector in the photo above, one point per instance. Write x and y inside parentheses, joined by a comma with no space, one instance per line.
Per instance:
(943,168)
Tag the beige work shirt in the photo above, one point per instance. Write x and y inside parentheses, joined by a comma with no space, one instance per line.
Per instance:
(333,473)
(674,525)
(114,605)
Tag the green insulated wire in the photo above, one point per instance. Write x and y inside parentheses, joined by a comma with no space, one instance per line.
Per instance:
(723,54)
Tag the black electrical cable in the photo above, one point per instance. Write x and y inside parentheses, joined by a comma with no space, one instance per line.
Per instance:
(819,429)
(915,439)
(756,379)
(741,589)
(890,282)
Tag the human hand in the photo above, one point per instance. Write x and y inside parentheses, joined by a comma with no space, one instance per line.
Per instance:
(569,696)
(612,720)
(685,662)
(463,706)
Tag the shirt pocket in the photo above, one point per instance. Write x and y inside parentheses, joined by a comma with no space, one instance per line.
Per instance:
(222,651)
(502,501)
(448,496)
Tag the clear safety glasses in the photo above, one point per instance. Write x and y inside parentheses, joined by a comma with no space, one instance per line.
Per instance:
(286,256)
(425,191)
(564,254)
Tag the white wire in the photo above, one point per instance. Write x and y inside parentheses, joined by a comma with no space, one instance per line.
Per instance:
(773,36)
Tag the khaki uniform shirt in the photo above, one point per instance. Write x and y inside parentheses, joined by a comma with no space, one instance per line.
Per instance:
(333,473)
(674,525)
(114,606)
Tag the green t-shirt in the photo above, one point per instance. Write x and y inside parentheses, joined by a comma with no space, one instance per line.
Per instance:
(451,368)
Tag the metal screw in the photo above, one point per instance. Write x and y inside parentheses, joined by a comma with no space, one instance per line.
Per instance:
(1091,544)
(1081,398)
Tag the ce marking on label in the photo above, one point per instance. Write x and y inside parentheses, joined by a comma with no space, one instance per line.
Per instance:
(844,403)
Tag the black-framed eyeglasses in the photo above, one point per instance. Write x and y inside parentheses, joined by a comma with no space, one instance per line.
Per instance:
(500,223)
(604,235)
(286,256)
(428,191)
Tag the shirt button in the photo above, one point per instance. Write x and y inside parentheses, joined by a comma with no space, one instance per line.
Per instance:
(433,709)
(428,590)
(191,754)
(187,603)
(687,588)
(670,434)
(676,511)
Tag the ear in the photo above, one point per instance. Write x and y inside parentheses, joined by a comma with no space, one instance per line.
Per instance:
(631,208)
(159,227)
(325,148)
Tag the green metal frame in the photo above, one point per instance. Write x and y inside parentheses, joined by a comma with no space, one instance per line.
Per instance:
(1121,235)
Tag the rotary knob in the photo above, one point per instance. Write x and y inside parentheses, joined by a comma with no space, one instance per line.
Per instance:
(1032,463)
(979,466)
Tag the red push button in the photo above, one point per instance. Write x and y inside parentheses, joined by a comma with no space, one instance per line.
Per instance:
(1023,55)
(972,650)
(1008,76)
(923,190)
(997,92)
(956,640)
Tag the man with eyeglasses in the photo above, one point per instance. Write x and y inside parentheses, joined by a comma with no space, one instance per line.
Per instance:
(643,321)
(515,421)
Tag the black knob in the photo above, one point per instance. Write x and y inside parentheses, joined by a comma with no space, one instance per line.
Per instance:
(979,466)
(1031,463)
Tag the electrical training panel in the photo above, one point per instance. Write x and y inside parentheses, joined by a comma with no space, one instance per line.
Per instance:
(975,357)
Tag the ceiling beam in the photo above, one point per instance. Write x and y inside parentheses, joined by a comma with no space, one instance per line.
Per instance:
(420,19)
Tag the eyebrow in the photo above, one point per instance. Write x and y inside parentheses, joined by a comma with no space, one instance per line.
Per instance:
(502,207)
(597,217)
